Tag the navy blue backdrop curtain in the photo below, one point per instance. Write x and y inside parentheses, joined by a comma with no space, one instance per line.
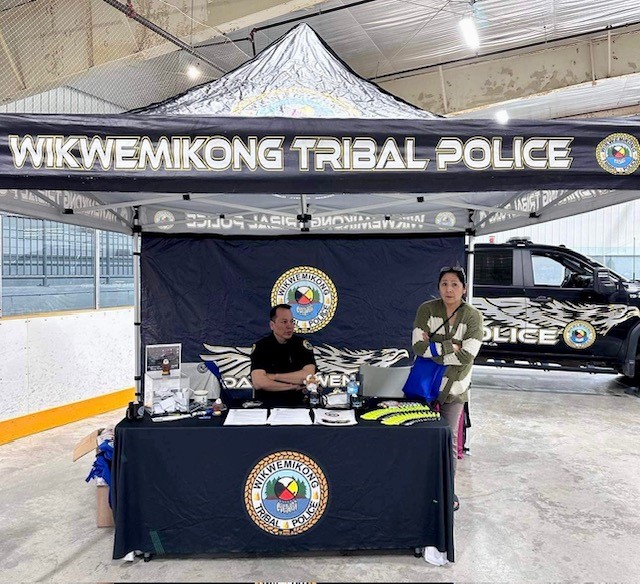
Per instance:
(219,290)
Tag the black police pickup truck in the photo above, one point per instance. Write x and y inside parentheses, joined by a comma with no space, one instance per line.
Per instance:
(550,307)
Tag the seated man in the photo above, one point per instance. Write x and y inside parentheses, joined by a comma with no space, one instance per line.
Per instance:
(281,362)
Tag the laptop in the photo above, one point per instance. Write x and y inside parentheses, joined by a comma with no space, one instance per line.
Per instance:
(383,381)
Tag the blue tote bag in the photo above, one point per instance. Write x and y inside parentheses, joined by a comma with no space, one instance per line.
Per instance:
(426,375)
(424,379)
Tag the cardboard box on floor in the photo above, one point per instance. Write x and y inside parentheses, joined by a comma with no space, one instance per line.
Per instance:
(104,515)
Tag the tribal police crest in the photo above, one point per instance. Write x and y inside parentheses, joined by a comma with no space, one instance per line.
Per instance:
(311,294)
(619,153)
(164,219)
(579,334)
(295,102)
(286,493)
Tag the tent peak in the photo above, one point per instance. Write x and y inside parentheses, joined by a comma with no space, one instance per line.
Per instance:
(298,75)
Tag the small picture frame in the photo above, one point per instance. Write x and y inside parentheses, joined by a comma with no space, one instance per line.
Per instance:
(156,354)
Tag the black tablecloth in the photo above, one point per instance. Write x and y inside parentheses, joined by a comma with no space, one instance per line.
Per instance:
(179,487)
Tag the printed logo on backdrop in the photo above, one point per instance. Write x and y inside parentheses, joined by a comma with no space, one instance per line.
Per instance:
(164,220)
(579,334)
(311,294)
(619,154)
(286,493)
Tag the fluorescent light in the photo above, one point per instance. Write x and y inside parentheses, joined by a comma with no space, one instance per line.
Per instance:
(193,72)
(469,32)
(502,116)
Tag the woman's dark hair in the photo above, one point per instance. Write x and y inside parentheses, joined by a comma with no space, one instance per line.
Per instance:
(457,270)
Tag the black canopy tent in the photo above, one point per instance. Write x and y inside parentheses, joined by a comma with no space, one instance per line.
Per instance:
(99,167)
(387,168)
(284,143)
(117,170)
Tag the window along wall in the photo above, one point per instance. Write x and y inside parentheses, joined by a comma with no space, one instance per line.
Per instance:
(49,266)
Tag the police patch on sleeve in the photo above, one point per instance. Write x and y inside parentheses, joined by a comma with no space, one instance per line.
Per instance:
(307,345)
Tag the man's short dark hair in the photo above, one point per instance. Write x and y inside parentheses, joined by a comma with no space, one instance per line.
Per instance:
(272,312)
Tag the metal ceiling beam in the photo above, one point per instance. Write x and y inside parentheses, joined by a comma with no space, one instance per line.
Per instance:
(468,86)
(247,14)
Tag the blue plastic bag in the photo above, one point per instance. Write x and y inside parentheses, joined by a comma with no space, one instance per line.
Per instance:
(424,379)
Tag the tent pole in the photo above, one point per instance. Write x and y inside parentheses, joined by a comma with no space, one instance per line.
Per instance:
(136,304)
(469,245)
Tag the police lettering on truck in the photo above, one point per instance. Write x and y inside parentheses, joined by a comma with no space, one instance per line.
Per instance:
(546,306)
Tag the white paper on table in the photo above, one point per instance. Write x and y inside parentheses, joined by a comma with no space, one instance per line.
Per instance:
(254,417)
(289,417)
(168,404)
(325,417)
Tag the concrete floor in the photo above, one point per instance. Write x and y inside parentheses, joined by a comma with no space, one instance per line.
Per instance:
(549,493)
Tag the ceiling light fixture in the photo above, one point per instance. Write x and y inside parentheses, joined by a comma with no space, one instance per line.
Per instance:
(470,33)
(502,116)
(193,72)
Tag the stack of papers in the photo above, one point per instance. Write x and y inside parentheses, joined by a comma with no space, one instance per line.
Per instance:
(289,417)
(255,417)
(277,417)
(326,417)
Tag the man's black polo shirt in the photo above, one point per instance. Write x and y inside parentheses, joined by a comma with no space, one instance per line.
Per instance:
(275,357)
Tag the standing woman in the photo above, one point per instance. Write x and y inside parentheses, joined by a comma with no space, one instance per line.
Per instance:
(449,331)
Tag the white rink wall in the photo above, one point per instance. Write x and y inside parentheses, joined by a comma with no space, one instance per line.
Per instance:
(53,360)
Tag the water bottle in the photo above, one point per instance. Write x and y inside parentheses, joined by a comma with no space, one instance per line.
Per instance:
(312,388)
(352,390)
(314,397)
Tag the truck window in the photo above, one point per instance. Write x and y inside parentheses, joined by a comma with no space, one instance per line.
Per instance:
(493,268)
(560,271)
(547,271)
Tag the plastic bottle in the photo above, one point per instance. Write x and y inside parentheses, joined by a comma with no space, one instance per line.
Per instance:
(314,397)
(353,388)
(312,388)
(217,407)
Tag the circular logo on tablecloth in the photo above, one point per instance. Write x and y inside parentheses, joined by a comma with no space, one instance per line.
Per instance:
(286,493)
(619,153)
(311,294)
(579,334)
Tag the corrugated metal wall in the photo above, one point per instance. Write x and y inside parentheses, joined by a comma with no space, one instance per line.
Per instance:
(62,100)
(602,234)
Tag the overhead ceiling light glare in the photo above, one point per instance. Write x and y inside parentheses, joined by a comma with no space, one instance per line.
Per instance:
(502,116)
(470,33)
(193,72)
